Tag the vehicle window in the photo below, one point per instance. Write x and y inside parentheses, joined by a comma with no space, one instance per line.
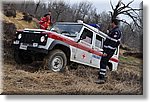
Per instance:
(70,30)
(89,36)
(98,42)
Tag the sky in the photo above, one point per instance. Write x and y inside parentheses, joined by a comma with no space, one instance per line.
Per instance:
(103,5)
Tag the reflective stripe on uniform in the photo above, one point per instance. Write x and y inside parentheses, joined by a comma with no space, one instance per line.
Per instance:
(112,39)
(102,73)
(103,70)
(110,47)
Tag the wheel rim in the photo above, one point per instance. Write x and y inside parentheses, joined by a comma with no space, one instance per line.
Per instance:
(57,63)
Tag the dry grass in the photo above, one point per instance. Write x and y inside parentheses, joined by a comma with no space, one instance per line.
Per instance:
(20,24)
(28,79)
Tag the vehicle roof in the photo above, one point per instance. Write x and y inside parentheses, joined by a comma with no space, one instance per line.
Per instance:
(88,26)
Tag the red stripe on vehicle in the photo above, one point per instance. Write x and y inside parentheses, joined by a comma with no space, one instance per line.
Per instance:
(114,60)
(75,44)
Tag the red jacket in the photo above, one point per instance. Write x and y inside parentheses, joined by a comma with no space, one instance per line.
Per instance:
(44,23)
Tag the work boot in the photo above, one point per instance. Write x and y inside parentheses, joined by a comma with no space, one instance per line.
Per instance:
(101,79)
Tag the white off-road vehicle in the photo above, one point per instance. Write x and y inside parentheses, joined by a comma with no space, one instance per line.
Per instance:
(64,43)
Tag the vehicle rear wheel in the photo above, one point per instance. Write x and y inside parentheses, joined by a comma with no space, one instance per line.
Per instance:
(56,61)
(22,57)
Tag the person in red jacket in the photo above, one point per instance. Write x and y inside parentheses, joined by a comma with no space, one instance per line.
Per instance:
(45,21)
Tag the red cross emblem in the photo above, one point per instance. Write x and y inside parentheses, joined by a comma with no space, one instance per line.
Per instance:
(83,56)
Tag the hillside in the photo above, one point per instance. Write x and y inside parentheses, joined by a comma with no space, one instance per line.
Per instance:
(20,24)
(33,79)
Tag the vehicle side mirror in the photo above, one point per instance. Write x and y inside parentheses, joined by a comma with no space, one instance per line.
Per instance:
(83,36)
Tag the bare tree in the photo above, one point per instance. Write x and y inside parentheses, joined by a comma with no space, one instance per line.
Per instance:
(82,10)
(37,5)
(125,9)
(92,16)
(85,8)
(133,40)
(105,19)
(58,7)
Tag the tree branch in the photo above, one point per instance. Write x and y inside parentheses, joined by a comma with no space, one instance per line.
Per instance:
(124,21)
(111,5)
(134,20)
(125,9)
(37,5)
(124,6)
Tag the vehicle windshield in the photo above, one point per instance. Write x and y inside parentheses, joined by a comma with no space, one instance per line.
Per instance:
(70,30)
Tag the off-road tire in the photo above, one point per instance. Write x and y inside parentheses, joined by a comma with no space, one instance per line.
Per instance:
(56,61)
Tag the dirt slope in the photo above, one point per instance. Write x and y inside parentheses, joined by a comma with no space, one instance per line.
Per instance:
(33,79)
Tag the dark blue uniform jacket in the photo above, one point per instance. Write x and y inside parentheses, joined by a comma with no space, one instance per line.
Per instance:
(113,40)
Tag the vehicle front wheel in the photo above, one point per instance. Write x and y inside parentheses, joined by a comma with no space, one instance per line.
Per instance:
(56,61)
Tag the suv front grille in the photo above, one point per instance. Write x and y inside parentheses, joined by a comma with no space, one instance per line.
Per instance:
(30,38)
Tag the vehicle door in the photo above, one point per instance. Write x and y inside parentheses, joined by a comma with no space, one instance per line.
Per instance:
(98,45)
(83,54)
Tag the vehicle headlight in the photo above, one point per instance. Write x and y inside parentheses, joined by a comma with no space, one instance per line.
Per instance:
(19,36)
(42,38)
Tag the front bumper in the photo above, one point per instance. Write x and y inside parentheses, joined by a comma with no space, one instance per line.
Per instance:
(31,48)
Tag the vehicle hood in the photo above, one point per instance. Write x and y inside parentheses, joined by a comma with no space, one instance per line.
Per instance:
(38,30)
(42,30)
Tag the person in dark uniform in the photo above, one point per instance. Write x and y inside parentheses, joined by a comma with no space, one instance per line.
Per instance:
(110,45)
